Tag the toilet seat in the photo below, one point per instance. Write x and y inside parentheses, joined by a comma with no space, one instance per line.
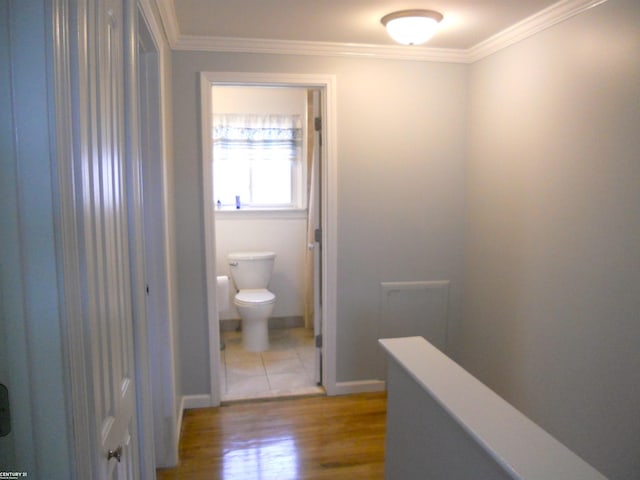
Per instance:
(258,296)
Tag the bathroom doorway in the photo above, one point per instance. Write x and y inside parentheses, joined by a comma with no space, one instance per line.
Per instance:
(273,200)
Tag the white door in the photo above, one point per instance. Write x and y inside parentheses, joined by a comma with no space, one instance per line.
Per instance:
(106,268)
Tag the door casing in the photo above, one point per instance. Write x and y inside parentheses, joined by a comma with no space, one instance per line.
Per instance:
(160,298)
(326,83)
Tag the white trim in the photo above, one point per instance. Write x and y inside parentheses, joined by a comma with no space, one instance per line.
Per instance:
(329,228)
(133,182)
(360,386)
(329,206)
(157,251)
(169,20)
(178,424)
(195,401)
(537,22)
(213,320)
(291,47)
(267,213)
(145,7)
(187,402)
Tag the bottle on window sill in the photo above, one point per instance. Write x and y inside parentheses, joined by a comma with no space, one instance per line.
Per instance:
(237,202)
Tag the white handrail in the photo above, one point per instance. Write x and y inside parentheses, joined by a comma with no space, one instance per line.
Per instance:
(518,446)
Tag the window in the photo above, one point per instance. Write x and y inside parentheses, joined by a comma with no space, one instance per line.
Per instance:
(257,161)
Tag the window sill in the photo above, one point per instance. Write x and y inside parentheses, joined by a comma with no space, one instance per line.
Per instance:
(262,213)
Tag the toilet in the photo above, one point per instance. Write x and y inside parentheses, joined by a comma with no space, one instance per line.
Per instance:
(251,272)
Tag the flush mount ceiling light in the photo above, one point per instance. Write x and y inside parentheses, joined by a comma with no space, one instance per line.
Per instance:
(411,27)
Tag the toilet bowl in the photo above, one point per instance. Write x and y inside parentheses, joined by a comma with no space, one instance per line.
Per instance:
(251,272)
(255,307)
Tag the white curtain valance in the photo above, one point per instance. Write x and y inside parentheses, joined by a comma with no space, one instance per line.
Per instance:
(267,130)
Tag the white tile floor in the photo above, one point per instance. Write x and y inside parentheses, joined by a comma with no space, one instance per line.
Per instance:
(287,368)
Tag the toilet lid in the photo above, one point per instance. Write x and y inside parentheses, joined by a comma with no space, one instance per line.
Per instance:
(253,296)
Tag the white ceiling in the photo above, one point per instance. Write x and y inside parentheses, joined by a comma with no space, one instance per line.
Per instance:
(471,29)
(466,22)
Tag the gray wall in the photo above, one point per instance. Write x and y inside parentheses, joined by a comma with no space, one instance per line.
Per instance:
(401,147)
(552,273)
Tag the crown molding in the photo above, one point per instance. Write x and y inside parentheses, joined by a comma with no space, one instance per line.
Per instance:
(544,19)
(169,19)
(552,15)
(288,47)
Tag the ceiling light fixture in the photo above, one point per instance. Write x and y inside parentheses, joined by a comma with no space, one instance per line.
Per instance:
(411,27)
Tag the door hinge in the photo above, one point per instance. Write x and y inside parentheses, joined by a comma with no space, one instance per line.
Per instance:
(147,289)
(317,124)
(317,235)
(319,341)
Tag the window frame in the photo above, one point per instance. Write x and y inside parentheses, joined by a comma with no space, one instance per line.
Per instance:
(298,177)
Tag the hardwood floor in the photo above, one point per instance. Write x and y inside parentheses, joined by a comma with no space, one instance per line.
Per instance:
(305,438)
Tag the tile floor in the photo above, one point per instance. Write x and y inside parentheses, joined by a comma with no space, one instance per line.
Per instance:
(287,368)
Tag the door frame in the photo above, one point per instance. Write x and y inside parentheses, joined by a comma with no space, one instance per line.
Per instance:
(158,247)
(326,83)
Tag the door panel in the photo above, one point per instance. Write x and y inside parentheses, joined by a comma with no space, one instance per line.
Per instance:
(106,269)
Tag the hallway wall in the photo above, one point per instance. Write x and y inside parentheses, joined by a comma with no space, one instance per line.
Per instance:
(539,143)
(552,272)
(400,137)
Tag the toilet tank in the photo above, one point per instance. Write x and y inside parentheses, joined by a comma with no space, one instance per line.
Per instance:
(251,269)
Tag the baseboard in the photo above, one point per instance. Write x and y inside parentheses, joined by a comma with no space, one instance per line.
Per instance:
(231,324)
(186,402)
(179,423)
(196,401)
(358,386)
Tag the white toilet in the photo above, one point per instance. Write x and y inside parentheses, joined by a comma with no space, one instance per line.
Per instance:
(251,272)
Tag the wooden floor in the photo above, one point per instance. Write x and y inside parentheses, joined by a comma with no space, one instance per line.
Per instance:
(306,438)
